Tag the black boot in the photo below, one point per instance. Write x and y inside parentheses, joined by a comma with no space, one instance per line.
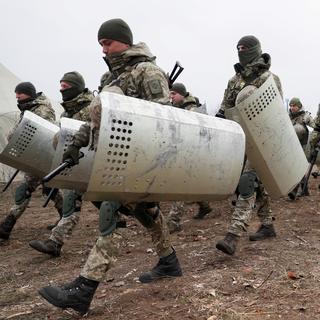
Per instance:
(228,244)
(167,267)
(204,209)
(76,295)
(48,246)
(264,232)
(6,226)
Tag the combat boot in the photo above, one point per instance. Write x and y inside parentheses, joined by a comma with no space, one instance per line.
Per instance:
(204,209)
(264,232)
(48,246)
(228,244)
(6,226)
(76,295)
(167,267)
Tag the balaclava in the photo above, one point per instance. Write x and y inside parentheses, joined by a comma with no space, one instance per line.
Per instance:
(253,51)
(77,83)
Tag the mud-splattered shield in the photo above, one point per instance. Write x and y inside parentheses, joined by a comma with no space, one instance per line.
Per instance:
(272,145)
(30,147)
(152,152)
(76,177)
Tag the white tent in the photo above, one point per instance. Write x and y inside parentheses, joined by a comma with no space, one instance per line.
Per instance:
(9,113)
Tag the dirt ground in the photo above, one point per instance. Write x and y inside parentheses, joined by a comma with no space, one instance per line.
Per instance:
(272,279)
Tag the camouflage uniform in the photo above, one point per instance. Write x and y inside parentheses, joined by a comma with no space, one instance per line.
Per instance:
(40,106)
(135,74)
(255,73)
(300,120)
(78,109)
(304,119)
(177,208)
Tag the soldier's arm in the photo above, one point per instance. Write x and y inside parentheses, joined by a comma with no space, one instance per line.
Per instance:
(82,137)
(309,121)
(226,103)
(315,138)
(278,83)
(154,85)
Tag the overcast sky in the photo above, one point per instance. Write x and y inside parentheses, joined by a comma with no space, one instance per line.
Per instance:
(42,39)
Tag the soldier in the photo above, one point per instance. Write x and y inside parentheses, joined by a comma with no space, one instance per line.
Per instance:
(253,69)
(300,120)
(39,104)
(76,99)
(180,98)
(134,72)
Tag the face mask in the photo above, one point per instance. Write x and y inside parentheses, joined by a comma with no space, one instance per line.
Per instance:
(70,93)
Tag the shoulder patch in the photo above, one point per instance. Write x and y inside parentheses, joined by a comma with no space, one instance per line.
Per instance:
(155,86)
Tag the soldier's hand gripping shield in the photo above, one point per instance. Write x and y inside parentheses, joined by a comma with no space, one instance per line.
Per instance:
(30,146)
(74,177)
(152,152)
(272,145)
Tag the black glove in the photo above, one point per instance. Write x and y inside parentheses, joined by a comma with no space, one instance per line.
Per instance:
(220,114)
(72,153)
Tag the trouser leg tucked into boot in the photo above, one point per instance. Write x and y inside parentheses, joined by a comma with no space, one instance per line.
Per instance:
(76,295)
(264,232)
(167,267)
(228,244)
(7,226)
(47,246)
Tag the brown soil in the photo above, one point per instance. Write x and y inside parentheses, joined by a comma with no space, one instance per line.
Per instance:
(272,279)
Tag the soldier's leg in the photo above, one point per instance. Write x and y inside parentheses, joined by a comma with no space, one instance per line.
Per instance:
(266,229)
(175,215)
(204,209)
(79,293)
(58,204)
(151,217)
(242,213)
(22,199)
(72,202)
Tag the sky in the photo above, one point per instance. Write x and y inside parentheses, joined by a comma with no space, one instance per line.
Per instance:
(43,39)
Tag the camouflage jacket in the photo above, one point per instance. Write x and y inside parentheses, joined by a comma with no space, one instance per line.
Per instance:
(255,73)
(78,107)
(302,117)
(40,106)
(133,73)
(315,137)
(188,103)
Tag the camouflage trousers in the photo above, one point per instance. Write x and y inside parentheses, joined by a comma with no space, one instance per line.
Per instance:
(69,220)
(242,214)
(177,211)
(105,250)
(31,183)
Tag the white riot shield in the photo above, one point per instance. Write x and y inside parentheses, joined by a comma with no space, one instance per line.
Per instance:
(272,145)
(30,147)
(152,152)
(76,177)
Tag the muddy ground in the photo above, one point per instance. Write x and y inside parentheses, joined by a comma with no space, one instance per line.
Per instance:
(275,279)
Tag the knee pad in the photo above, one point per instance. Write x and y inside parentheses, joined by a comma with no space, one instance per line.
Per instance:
(107,217)
(247,184)
(69,203)
(22,193)
(146,213)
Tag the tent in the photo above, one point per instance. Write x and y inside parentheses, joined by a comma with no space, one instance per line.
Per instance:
(9,113)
